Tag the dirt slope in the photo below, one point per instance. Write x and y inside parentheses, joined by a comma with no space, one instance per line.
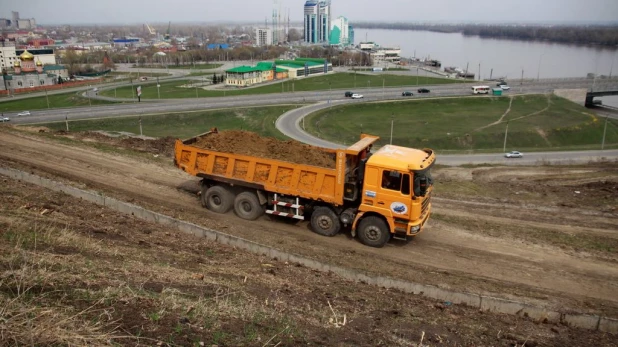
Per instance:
(74,273)
(463,248)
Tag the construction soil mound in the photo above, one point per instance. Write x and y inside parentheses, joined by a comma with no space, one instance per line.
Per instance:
(248,143)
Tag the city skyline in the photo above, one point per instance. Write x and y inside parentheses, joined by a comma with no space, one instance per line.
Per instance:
(185,11)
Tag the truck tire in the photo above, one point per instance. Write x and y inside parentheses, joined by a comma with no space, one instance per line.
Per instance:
(217,199)
(325,222)
(247,206)
(373,232)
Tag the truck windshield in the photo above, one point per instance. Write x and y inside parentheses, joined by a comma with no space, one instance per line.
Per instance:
(422,182)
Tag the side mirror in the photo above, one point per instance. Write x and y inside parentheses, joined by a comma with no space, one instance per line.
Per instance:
(423,185)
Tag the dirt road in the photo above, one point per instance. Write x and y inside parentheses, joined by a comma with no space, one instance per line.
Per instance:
(468,246)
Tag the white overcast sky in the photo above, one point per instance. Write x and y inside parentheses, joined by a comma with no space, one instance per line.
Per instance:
(160,11)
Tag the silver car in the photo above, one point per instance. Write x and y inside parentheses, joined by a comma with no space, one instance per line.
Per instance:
(4,119)
(514,154)
(24,113)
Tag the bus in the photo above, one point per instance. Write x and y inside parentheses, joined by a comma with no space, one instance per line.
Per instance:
(480,90)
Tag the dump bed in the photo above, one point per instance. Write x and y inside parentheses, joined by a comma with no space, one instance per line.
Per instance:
(277,176)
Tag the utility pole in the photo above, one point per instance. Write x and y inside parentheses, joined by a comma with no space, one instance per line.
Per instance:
(604,130)
(141,133)
(66,122)
(538,72)
(47,98)
(416,74)
(479,71)
(392,123)
(521,82)
(491,73)
(505,134)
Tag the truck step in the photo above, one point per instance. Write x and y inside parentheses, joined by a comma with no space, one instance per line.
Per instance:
(283,214)
(288,204)
(400,237)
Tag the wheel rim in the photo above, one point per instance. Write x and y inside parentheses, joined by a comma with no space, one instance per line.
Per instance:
(245,206)
(215,200)
(324,222)
(373,233)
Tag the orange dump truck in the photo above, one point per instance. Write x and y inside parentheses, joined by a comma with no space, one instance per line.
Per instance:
(377,195)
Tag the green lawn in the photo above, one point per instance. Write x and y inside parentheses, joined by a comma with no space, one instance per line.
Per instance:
(55,101)
(462,124)
(187,124)
(332,81)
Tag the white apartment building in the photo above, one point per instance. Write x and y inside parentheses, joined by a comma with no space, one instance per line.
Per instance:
(339,29)
(263,37)
(7,54)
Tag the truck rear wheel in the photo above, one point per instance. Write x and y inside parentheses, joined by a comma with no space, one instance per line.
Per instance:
(247,206)
(373,232)
(325,222)
(217,199)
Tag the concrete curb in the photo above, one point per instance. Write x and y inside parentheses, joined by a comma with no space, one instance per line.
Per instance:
(483,303)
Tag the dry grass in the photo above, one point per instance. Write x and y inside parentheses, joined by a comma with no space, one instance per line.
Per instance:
(31,306)
(52,293)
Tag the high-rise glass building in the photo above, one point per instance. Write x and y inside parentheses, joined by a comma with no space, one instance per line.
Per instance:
(317,21)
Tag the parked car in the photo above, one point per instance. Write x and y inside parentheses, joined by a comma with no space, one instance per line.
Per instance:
(4,119)
(500,83)
(514,154)
(357,96)
(24,113)
(144,78)
(348,94)
(504,87)
(406,94)
(423,90)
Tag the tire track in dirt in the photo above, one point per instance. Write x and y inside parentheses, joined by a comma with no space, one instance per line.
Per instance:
(441,256)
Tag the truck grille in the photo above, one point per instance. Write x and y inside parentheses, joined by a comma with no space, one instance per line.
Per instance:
(426,202)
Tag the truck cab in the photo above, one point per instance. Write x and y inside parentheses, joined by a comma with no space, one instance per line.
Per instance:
(396,194)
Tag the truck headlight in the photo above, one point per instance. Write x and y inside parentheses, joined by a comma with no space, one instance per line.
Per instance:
(415,229)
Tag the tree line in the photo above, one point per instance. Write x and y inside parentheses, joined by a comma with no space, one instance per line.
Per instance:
(585,35)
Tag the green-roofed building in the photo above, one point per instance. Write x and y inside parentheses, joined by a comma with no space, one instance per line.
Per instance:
(304,67)
(242,76)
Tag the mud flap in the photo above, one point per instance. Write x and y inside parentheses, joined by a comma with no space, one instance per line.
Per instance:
(261,197)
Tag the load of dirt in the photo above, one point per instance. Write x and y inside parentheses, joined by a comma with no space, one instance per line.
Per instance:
(248,143)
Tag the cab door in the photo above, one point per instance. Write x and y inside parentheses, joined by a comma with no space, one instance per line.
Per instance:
(394,193)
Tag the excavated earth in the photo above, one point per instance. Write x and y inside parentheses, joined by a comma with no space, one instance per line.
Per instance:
(249,143)
(541,234)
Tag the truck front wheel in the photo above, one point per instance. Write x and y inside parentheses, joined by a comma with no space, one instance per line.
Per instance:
(325,222)
(373,232)
(217,199)
(247,206)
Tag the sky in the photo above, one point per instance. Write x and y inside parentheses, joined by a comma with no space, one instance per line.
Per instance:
(256,11)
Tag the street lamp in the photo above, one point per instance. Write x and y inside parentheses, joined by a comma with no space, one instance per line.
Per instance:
(538,72)
(505,134)
(392,123)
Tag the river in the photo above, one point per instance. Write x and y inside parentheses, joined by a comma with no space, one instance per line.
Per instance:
(507,58)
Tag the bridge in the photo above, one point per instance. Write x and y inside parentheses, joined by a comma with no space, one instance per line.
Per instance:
(601,89)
